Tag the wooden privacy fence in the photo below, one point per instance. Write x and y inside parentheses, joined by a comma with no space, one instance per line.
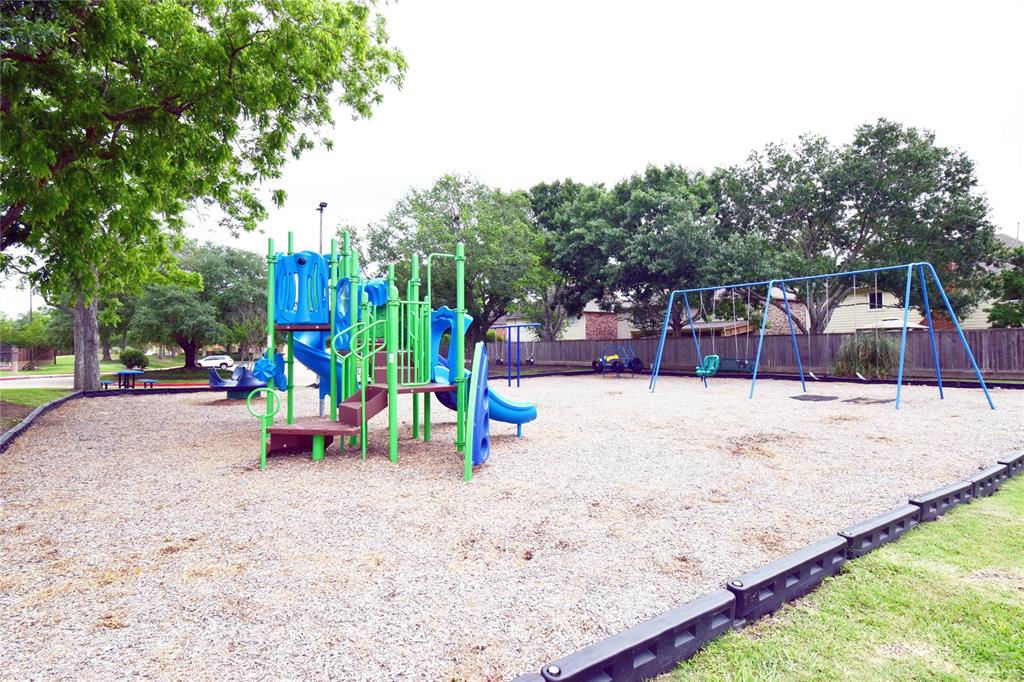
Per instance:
(999,352)
(14,359)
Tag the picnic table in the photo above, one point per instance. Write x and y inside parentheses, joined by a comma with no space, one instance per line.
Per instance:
(126,377)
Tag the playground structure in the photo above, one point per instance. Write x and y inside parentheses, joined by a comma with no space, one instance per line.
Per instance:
(618,358)
(241,384)
(243,380)
(508,349)
(368,346)
(923,271)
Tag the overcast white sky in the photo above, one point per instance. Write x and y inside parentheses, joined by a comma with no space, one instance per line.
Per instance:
(522,92)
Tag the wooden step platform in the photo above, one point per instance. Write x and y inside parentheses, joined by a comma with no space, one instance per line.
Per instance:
(315,427)
(298,437)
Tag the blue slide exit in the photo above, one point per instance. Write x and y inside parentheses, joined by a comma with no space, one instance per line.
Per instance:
(443,320)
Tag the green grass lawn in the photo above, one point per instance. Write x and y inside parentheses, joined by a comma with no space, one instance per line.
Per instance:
(17,403)
(66,365)
(946,602)
(31,397)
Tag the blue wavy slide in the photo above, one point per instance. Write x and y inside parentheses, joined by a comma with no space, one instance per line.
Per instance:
(443,320)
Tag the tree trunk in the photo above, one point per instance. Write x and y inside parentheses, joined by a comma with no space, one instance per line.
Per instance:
(86,332)
(189,347)
(105,342)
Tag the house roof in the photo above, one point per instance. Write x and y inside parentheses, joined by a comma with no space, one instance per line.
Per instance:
(1007,240)
(722,327)
(891,323)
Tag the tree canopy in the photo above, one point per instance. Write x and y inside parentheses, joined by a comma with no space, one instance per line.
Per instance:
(227,305)
(890,196)
(120,115)
(502,247)
(1007,288)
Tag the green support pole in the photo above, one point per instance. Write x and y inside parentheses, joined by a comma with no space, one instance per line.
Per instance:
(415,415)
(318,447)
(414,318)
(353,314)
(460,350)
(332,301)
(291,352)
(391,347)
(347,368)
(271,261)
(413,349)
(365,371)
(426,417)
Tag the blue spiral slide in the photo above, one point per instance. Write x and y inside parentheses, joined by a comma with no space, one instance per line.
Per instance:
(443,320)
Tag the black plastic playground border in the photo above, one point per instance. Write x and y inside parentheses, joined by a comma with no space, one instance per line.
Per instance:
(12,434)
(658,645)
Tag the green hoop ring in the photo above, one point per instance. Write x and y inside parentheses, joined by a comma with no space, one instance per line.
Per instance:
(271,397)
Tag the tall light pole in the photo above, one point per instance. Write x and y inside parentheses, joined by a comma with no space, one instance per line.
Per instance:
(321,207)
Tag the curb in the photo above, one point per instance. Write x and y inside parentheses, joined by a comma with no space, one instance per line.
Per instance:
(658,645)
(21,427)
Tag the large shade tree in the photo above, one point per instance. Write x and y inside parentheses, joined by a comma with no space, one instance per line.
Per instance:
(502,247)
(1007,290)
(890,196)
(649,234)
(118,116)
(228,293)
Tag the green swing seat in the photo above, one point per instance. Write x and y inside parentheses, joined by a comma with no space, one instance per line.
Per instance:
(708,368)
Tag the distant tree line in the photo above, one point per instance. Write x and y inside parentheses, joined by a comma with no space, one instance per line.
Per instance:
(891,195)
(217,297)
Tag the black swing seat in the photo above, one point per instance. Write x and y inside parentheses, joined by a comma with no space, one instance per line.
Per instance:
(741,365)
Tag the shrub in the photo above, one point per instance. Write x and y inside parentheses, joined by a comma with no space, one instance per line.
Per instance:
(491,336)
(133,358)
(872,354)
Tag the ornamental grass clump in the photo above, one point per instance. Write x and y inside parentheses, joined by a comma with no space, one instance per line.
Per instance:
(873,355)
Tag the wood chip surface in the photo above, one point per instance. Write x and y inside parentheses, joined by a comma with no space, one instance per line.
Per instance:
(139,538)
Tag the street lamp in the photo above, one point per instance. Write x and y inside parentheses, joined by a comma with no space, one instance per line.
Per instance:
(321,207)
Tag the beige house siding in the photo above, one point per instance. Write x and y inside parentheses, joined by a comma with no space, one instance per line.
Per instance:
(855,313)
(979,318)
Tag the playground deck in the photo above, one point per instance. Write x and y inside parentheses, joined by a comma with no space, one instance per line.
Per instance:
(164,551)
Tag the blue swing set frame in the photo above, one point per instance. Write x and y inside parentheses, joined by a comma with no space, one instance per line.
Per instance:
(922,269)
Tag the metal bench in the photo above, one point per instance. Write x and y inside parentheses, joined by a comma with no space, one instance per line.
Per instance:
(105,383)
(148,383)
